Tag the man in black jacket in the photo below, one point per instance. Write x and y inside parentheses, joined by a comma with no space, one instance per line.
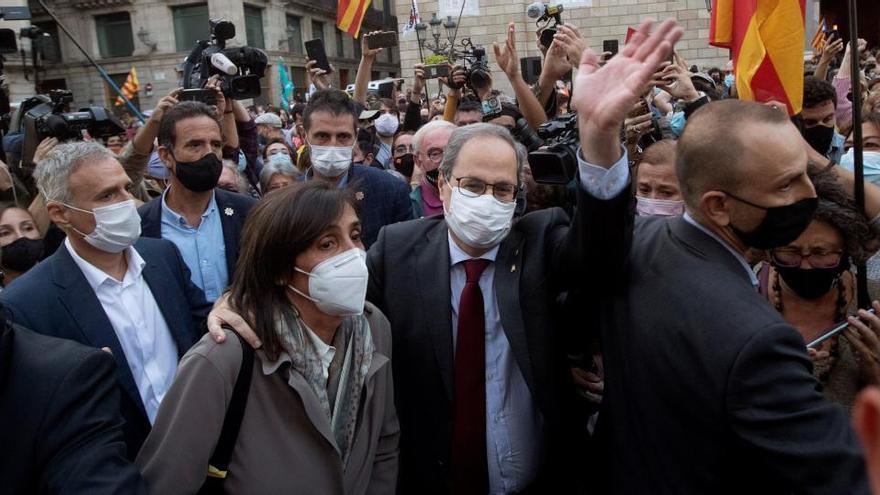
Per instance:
(61,430)
(707,389)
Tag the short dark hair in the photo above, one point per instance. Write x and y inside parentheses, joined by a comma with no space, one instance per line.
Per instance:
(332,101)
(709,153)
(469,106)
(277,140)
(298,109)
(182,111)
(280,227)
(817,92)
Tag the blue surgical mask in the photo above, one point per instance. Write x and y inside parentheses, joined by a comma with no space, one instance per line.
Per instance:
(728,80)
(242,161)
(871,160)
(280,159)
(677,123)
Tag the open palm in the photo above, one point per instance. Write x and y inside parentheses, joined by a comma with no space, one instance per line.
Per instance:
(604,96)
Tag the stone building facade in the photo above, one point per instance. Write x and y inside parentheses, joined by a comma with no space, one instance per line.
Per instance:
(154,36)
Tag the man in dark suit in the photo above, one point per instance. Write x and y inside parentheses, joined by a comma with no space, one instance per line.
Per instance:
(107,286)
(330,121)
(203,221)
(707,388)
(61,431)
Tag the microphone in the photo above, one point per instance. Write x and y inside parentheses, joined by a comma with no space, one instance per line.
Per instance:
(535,10)
(223,64)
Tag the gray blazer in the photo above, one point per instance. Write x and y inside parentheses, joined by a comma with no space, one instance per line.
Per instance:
(285,442)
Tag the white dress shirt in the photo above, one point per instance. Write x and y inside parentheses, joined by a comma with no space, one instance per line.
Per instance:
(139,325)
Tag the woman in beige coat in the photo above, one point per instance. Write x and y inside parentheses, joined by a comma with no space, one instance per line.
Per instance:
(320,414)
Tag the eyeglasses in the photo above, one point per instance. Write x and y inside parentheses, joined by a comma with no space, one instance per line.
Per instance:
(435,155)
(474,188)
(407,148)
(790,257)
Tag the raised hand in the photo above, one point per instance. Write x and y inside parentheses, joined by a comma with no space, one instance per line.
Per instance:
(603,97)
(418,82)
(366,52)
(862,334)
(506,55)
(570,37)
(319,77)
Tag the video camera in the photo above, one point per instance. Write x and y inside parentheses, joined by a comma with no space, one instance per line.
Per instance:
(46,116)
(240,68)
(553,153)
(476,65)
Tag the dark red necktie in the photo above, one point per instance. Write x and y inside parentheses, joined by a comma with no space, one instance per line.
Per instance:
(470,471)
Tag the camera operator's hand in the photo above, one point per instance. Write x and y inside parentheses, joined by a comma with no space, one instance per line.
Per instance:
(457,78)
(556,62)
(418,83)
(43,149)
(619,83)
(320,77)
(677,81)
(366,52)
(164,105)
(506,56)
(214,84)
(570,38)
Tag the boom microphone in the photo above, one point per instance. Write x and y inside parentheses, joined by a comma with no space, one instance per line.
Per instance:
(535,10)
(223,64)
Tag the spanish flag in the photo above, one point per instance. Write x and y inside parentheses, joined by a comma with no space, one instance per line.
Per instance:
(350,15)
(130,88)
(766,38)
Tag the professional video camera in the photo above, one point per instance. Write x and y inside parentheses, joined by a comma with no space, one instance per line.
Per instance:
(240,68)
(476,65)
(46,116)
(554,162)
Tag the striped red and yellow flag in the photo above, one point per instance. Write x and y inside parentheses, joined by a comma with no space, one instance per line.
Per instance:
(766,38)
(130,88)
(818,41)
(350,15)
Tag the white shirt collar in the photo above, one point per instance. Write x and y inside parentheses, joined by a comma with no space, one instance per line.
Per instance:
(96,277)
(457,255)
(327,352)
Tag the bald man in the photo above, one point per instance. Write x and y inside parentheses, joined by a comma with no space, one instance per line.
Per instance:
(707,388)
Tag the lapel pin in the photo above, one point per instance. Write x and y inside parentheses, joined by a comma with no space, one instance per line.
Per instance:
(359,195)
(229,212)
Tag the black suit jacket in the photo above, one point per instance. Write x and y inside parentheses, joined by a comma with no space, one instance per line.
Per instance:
(233,209)
(61,430)
(707,389)
(410,282)
(54,298)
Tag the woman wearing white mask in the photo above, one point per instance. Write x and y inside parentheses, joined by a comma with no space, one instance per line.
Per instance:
(870,147)
(319,415)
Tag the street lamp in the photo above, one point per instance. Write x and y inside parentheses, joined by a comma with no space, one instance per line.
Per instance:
(438,47)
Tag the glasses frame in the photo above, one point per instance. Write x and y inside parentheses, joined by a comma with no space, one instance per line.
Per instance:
(810,254)
(471,194)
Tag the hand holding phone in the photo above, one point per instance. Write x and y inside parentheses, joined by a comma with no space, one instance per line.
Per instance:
(315,51)
(834,331)
(381,39)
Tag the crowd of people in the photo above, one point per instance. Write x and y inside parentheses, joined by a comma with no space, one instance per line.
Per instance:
(359,294)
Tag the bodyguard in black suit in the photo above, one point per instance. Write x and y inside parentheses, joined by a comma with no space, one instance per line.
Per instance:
(61,430)
(203,221)
(106,287)
(413,280)
(707,388)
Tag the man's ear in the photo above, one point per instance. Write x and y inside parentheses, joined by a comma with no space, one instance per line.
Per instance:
(165,156)
(58,214)
(715,207)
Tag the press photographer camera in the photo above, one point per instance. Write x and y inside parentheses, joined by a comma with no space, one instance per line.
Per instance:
(44,116)
(240,69)
(554,160)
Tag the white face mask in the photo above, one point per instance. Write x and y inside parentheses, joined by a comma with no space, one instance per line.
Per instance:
(338,285)
(117,226)
(330,161)
(871,160)
(647,207)
(386,124)
(481,222)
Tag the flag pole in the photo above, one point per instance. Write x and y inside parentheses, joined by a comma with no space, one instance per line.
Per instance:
(858,164)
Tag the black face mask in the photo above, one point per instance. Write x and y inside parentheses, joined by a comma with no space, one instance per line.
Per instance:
(22,254)
(781,225)
(201,175)
(433,176)
(404,164)
(811,283)
(819,137)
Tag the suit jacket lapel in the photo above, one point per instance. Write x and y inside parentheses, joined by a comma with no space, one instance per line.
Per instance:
(432,276)
(165,299)
(231,230)
(86,311)
(707,247)
(508,267)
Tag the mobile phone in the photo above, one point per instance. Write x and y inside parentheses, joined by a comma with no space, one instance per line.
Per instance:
(315,51)
(834,331)
(611,46)
(206,96)
(383,39)
(436,70)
